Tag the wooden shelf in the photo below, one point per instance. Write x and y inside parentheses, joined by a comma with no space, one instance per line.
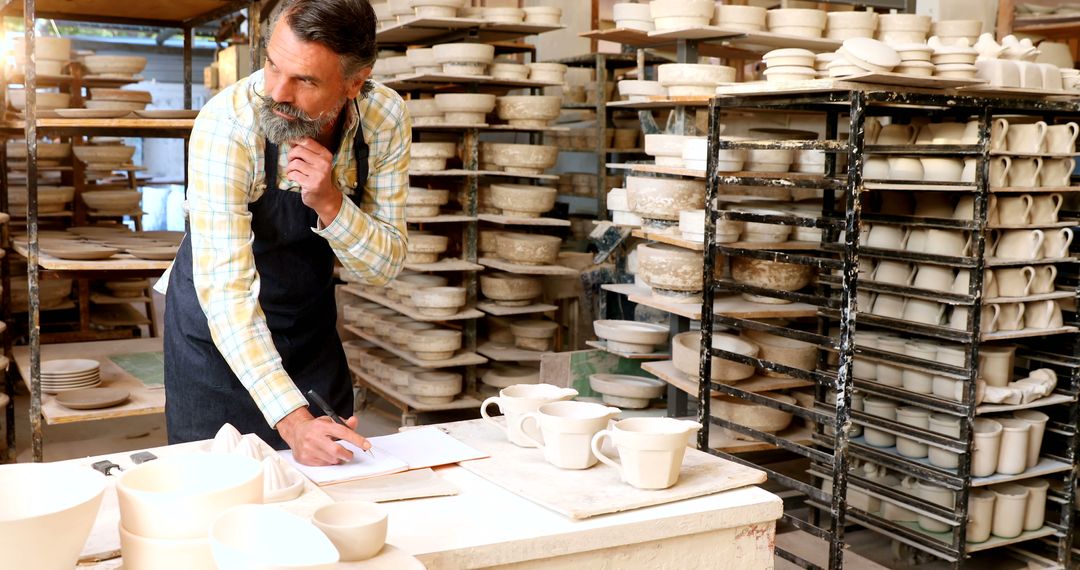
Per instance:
(411,312)
(520,269)
(654,169)
(501,311)
(439,82)
(462,358)
(145,127)
(1051,400)
(161,12)
(511,221)
(750,41)
(1027,333)
(666,371)
(119,262)
(103,299)
(508,353)
(720,441)
(1031,190)
(663,103)
(424,31)
(669,239)
(602,345)
(441,219)
(448,264)
(389,391)
(117,315)
(512,128)
(729,305)
(461,172)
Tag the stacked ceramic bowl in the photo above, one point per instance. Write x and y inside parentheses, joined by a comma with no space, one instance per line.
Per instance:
(663,198)
(104,157)
(510,289)
(425,247)
(527,249)
(532,111)
(858,55)
(626,391)
(903,28)
(424,112)
(631,336)
(741,18)
(51,55)
(46,100)
(429,156)
(619,206)
(693,79)
(846,25)
(522,200)
(633,16)
(789,64)
(667,150)
(801,22)
(425,202)
(554,73)
(422,60)
(957,32)
(915,59)
(464,58)
(71,374)
(509,70)
(522,158)
(436,8)
(640,90)
(954,61)
(435,343)
(121,66)
(678,14)
(118,99)
(534,334)
(465,108)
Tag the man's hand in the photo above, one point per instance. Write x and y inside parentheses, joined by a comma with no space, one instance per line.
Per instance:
(310,438)
(311,166)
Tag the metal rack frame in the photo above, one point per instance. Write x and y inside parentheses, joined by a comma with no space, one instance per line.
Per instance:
(833,454)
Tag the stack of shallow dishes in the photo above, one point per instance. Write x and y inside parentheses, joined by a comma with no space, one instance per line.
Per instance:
(789,64)
(631,16)
(867,55)
(118,99)
(914,59)
(953,61)
(69,374)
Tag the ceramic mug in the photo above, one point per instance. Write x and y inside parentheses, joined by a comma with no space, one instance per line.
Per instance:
(882,408)
(971,132)
(1024,172)
(1038,421)
(980,510)
(1012,456)
(568,429)
(885,305)
(1010,502)
(962,284)
(1035,509)
(965,209)
(987,446)
(1044,279)
(650,449)
(889,374)
(1026,138)
(932,277)
(988,324)
(925,312)
(1015,282)
(917,418)
(895,134)
(1061,139)
(893,272)
(916,380)
(1044,314)
(1011,316)
(1045,208)
(905,168)
(519,399)
(886,236)
(999,171)
(1057,243)
(996,364)
(876,168)
(955,243)
(1019,244)
(940,496)
(1014,210)
(948,426)
(916,240)
(1056,172)
(942,169)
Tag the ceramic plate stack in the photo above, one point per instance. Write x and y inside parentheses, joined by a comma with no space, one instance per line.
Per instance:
(70,374)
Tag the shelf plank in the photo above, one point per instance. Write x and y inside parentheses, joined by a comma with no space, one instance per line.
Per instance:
(512,221)
(515,128)
(520,269)
(103,299)
(1027,333)
(663,103)
(1040,189)
(461,172)
(676,240)
(441,219)
(1051,400)
(752,41)
(507,353)
(602,345)
(993,542)
(719,440)
(416,81)
(117,315)
(411,312)
(501,311)
(654,169)
(119,262)
(462,358)
(390,392)
(729,305)
(446,264)
(1039,297)
(666,371)
(423,31)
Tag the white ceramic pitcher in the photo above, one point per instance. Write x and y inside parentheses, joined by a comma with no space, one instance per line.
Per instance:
(519,399)
(650,450)
(568,429)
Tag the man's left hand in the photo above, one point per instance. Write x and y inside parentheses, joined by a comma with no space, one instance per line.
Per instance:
(311,166)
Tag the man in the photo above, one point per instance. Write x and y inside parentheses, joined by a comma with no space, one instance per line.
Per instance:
(301,162)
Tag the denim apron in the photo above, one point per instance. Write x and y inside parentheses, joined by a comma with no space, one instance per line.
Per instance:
(297,296)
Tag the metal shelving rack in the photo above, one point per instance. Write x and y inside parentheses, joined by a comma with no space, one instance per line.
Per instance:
(831,456)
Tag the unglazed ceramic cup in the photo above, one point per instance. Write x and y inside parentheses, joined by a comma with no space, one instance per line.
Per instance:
(1024,172)
(1061,139)
(519,399)
(1045,314)
(1037,420)
(1045,208)
(1045,275)
(1026,138)
(939,496)
(357,528)
(1035,508)
(1056,245)
(1026,245)
(1056,172)
(1015,281)
(987,446)
(650,450)
(1012,456)
(1014,210)
(996,364)
(980,512)
(568,429)
(1010,504)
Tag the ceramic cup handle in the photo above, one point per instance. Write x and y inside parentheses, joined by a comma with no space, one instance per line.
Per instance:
(595,444)
(1068,241)
(1020,310)
(1030,272)
(1028,203)
(1053,275)
(996,309)
(484,414)
(913,274)
(988,279)
(913,134)
(995,237)
(1074,130)
(1058,199)
(520,425)
(1038,169)
(1039,238)
(1040,126)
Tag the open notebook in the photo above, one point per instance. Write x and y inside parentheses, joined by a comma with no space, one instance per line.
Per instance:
(411,449)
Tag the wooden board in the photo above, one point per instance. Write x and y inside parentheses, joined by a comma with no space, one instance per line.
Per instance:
(1027,333)
(654,169)
(176,11)
(662,103)
(520,269)
(994,90)
(754,41)
(900,79)
(512,221)
(500,311)
(580,494)
(415,80)
(506,353)
(441,219)
(390,392)
(445,264)
(602,345)
(730,305)
(461,358)
(414,484)
(411,312)
(666,371)
(120,262)
(143,400)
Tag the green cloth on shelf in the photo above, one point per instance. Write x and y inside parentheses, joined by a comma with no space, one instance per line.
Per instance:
(147,367)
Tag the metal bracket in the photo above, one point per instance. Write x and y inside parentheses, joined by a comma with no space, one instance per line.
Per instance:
(106,466)
(142,457)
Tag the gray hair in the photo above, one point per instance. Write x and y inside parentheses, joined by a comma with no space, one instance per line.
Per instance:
(345,27)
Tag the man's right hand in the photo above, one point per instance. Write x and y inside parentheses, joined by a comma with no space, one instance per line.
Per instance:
(311,439)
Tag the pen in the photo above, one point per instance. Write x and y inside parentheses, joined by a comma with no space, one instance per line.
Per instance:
(330,412)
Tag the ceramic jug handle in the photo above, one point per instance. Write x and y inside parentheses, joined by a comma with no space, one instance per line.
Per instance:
(995,237)
(1041,127)
(600,435)
(1039,238)
(873,129)
(484,414)
(520,425)
(1068,241)
(988,279)
(967,246)
(941,313)
(1074,130)
(999,143)
(1058,199)
(1038,168)
(904,238)
(913,133)
(1053,275)
(912,274)
(1030,272)
(1020,315)
(1028,203)
(996,309)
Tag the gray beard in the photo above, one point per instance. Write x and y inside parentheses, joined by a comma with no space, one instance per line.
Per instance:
(279,130)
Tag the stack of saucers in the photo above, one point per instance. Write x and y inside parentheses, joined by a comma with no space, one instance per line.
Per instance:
(953,61)
(789,64)
(69,374)
(914,59)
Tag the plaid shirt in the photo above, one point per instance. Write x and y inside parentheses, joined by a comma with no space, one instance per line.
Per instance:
(226,173)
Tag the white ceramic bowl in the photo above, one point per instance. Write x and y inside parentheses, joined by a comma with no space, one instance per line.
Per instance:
(357,528)
(124,65)
(47,512)
(179,496)
(142,553)
(264,537)
(45,100)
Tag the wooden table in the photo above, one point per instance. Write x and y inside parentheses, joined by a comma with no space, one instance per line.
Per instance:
(143,400)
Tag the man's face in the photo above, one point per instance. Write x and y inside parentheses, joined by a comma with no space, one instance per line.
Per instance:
(305,88)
